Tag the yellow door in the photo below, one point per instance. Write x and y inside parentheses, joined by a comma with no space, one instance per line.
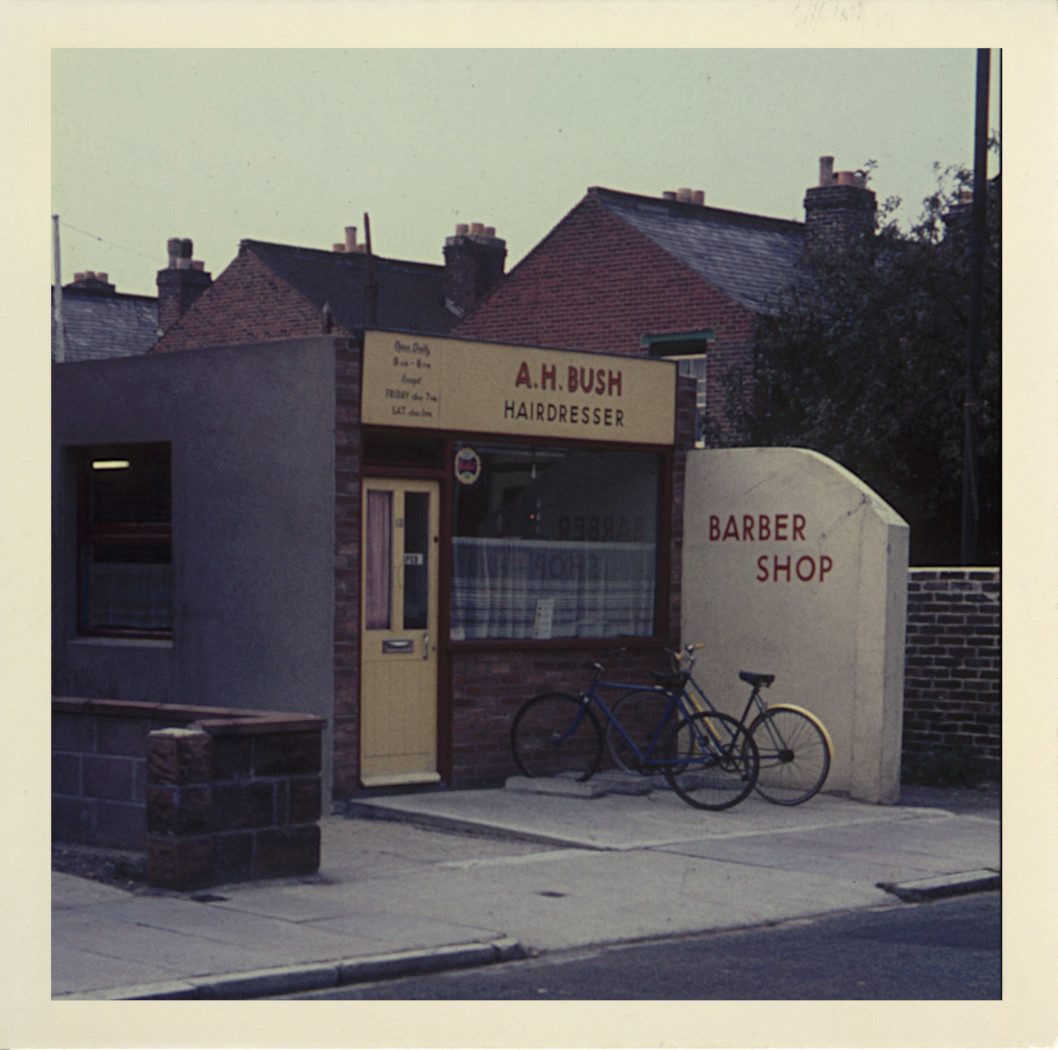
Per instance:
(398,648)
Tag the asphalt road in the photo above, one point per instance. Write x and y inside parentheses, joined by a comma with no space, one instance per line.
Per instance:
(947,949)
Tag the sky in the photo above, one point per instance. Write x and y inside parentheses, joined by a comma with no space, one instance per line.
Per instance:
(294,145)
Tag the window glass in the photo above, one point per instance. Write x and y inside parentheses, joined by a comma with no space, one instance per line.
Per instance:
(556,543)
(378,568)
(125,540)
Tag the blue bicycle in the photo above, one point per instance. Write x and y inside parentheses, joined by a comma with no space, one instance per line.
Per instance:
(707,757)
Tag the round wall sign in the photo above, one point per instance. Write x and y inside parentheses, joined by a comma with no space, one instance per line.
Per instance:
(468,466)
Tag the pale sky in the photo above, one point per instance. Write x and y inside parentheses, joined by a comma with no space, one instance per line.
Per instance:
(294,145)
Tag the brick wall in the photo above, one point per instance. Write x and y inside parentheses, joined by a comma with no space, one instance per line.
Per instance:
(347,461)
(212,795)
(248,303)
(952,685)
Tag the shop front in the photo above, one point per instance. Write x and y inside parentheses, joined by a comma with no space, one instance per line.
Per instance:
(521,510)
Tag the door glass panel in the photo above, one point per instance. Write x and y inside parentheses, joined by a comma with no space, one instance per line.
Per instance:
(416,559)
(378,570)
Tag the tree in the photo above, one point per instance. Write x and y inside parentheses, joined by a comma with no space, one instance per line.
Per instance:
(864,361)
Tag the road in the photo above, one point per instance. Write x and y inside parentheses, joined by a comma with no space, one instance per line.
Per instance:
(947,949)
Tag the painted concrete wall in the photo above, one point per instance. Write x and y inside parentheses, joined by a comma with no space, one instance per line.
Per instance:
(793,567)
(252,435)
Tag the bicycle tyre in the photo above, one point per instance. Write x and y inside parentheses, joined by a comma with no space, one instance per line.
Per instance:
(539,742)
(639,713)
(719,774)
(794,755)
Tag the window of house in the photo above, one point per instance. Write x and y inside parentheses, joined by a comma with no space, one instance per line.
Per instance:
(690,351)
(125,546)
(555,543)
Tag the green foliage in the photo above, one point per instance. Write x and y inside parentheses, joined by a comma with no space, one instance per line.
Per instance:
(864,361)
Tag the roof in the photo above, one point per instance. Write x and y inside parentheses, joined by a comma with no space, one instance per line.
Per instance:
(410,295)
(100,325)
(750,257)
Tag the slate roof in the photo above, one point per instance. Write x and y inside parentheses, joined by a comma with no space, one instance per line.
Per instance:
(750,257)
(410,295)
(106,325)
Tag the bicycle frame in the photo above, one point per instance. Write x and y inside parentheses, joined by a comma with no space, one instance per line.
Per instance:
(707,742)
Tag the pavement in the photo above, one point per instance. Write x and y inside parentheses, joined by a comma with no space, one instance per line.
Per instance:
(415,882)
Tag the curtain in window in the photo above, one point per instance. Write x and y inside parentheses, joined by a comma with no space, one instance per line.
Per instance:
(513,588)
(132,597)
(379,560)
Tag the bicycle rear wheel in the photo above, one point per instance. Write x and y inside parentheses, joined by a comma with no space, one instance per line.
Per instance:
(639,713)
(794,755)
(555,734)
(711,760)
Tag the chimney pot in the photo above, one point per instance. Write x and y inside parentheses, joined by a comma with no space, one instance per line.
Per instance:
(826,171)
(102,277)
(698,197)
(490,231)
(78,277)
(683,195)
(477,228)
(669,195)
(462,229)
(350,238)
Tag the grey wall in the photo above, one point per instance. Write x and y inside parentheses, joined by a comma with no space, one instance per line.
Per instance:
(252,435)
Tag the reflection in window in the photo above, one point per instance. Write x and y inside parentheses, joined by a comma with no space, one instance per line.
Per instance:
(556,543)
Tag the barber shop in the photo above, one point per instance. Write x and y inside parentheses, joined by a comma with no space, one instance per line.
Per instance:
(404,535)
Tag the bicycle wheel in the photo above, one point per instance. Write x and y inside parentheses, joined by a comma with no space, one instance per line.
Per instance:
(710,760)
(639,713)
(794,755)
(554,735)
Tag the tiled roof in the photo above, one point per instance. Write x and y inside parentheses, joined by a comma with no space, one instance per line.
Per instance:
(410,295)
(750,257)
(97,326)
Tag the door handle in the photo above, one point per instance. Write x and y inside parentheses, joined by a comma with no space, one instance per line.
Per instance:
(425,645)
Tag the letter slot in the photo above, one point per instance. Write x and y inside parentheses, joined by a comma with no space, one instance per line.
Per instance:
(398,645)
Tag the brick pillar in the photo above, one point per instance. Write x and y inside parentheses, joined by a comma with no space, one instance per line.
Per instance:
(179,808)
(839,210)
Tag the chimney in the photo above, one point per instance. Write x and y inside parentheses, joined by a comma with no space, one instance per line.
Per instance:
(474,261)
(839,211)
(180,283)
(90,281)
(685,195)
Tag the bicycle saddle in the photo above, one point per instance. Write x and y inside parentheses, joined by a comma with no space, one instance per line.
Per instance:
(671,681)
(756,680)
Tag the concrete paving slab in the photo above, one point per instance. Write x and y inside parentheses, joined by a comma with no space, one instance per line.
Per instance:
(391,929)
(76,970)
(617,822)
(70,891)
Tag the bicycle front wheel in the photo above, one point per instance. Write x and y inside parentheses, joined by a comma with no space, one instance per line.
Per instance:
(639,714)
(794,755)
(556,735)
(710,760)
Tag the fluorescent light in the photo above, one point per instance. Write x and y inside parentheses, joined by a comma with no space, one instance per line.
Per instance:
(110,464)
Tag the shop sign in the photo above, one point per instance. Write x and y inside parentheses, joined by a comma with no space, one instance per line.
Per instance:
(449,384)
(468,466)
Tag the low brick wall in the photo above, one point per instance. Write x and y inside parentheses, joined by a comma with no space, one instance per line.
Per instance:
(952,677)
(211,795)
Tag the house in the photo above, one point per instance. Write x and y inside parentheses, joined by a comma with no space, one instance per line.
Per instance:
(668,276)
(97,321)
(279,291)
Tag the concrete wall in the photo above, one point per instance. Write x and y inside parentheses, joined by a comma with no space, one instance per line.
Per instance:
(793,567)
(252,436)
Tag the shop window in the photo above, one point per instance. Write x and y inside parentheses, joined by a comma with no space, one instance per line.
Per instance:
(554,543)
(125,540)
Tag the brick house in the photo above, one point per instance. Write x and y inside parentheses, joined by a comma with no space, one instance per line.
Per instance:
(667,277)
(279,291)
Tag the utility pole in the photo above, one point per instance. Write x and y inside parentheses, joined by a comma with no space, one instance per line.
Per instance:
(978,234)
(59,352)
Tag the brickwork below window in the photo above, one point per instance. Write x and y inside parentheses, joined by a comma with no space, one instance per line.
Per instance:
(952,676)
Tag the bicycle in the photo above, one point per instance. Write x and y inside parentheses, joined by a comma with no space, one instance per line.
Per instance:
(793,745)
(707,758)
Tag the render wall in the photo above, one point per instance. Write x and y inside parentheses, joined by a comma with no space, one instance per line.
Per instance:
(252,436)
